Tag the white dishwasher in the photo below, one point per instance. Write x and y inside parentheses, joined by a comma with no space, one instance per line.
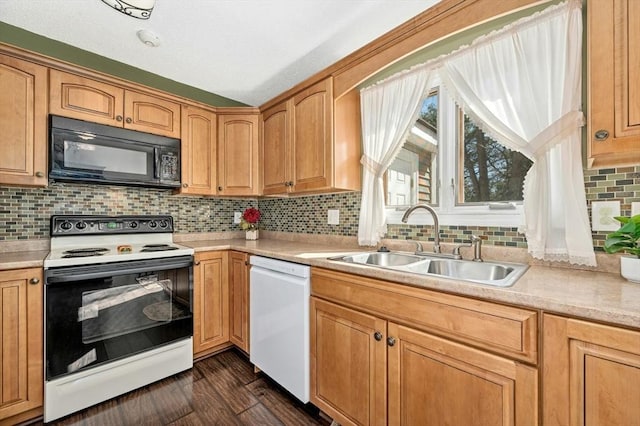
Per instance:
(279,318)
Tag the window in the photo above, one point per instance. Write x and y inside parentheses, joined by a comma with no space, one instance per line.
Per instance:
(448,162)
(490,172)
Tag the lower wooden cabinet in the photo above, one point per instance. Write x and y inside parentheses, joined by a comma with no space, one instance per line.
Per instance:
(239,299)
(22,351)
(368,371)
(210,302)
(591,373)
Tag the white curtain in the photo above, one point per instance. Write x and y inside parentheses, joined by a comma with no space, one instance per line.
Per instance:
(388,112)
(522,86)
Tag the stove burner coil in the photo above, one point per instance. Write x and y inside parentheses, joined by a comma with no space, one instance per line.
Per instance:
(157,247)
(84,252)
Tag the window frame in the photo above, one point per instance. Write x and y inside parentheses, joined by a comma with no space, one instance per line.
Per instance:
(450,211)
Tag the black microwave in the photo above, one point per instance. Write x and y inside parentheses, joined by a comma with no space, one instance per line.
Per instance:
(81,151)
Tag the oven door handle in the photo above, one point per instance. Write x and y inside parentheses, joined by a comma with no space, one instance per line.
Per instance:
(68,275)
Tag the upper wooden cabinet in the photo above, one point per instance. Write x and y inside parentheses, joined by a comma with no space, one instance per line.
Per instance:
(86,99)
(23,120)
(311,142)
(199,134)
(613,38)
(238,155)
(591,373)
(22,348)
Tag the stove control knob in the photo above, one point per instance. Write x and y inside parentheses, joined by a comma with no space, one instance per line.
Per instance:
(133,225)
(65,226)
(163,223)
(81,225)
(152,224)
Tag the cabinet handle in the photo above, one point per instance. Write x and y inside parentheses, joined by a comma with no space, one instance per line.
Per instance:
(377,335)
(118,118)
(129,120)
(34,281)
(185,185)
(39,174)
(601,135)
(391,341)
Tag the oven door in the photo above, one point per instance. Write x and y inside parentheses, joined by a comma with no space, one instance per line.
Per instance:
(100,313)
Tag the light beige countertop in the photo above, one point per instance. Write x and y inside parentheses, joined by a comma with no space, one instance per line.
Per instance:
(22,259)
(599,296)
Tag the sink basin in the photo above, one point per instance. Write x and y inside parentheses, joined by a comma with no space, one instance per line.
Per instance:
(498,274)
(384,259)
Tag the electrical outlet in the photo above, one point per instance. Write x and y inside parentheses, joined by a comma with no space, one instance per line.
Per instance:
(333,217)
(635,208)
(236,217)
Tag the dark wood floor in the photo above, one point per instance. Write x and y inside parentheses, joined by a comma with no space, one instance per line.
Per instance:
(220,390)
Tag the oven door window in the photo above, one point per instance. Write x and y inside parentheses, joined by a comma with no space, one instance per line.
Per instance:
(97,319)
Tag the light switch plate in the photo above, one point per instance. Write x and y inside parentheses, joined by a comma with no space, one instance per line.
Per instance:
(236,217)
(602,215)
(333,217)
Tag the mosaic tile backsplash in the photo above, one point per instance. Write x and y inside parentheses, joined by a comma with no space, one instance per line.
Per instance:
(25,212)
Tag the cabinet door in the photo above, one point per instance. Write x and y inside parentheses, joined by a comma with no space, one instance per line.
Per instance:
(348,364)
(85,99)
(433,381)
(239,299)
(151,114)
(211,301)
(198,151)
(311,121)
(21,332)
(591,373)
(614,87)
(276,169)
(238,169)
(23,120)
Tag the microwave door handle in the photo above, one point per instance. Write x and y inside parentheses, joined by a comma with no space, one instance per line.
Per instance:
(156,169)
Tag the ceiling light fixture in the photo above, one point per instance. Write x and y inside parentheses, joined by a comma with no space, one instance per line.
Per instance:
(140,9)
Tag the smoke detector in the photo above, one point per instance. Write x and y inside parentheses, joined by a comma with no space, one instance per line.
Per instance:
(149,38)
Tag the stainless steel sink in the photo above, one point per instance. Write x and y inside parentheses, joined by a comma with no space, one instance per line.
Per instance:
(384,259)
(498,274)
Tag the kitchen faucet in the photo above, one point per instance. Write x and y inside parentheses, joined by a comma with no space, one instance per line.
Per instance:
(436,225)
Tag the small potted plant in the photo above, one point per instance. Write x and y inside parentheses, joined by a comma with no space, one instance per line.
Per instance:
(625,240)
(249,223)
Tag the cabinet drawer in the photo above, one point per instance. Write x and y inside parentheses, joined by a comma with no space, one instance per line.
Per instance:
(502,329)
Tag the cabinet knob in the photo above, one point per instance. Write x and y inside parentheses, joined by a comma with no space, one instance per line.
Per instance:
(377,335)
(185,185)
(601,135)
(118,118)
(39,174)
(34,280)
(219,188)
(246,263)
(391,341)
(129,120)
(196,263)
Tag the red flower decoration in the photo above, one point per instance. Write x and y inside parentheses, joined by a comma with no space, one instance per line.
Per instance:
(251,215)
(250,219)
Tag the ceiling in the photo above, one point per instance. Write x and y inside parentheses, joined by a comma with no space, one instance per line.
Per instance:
(246,50)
